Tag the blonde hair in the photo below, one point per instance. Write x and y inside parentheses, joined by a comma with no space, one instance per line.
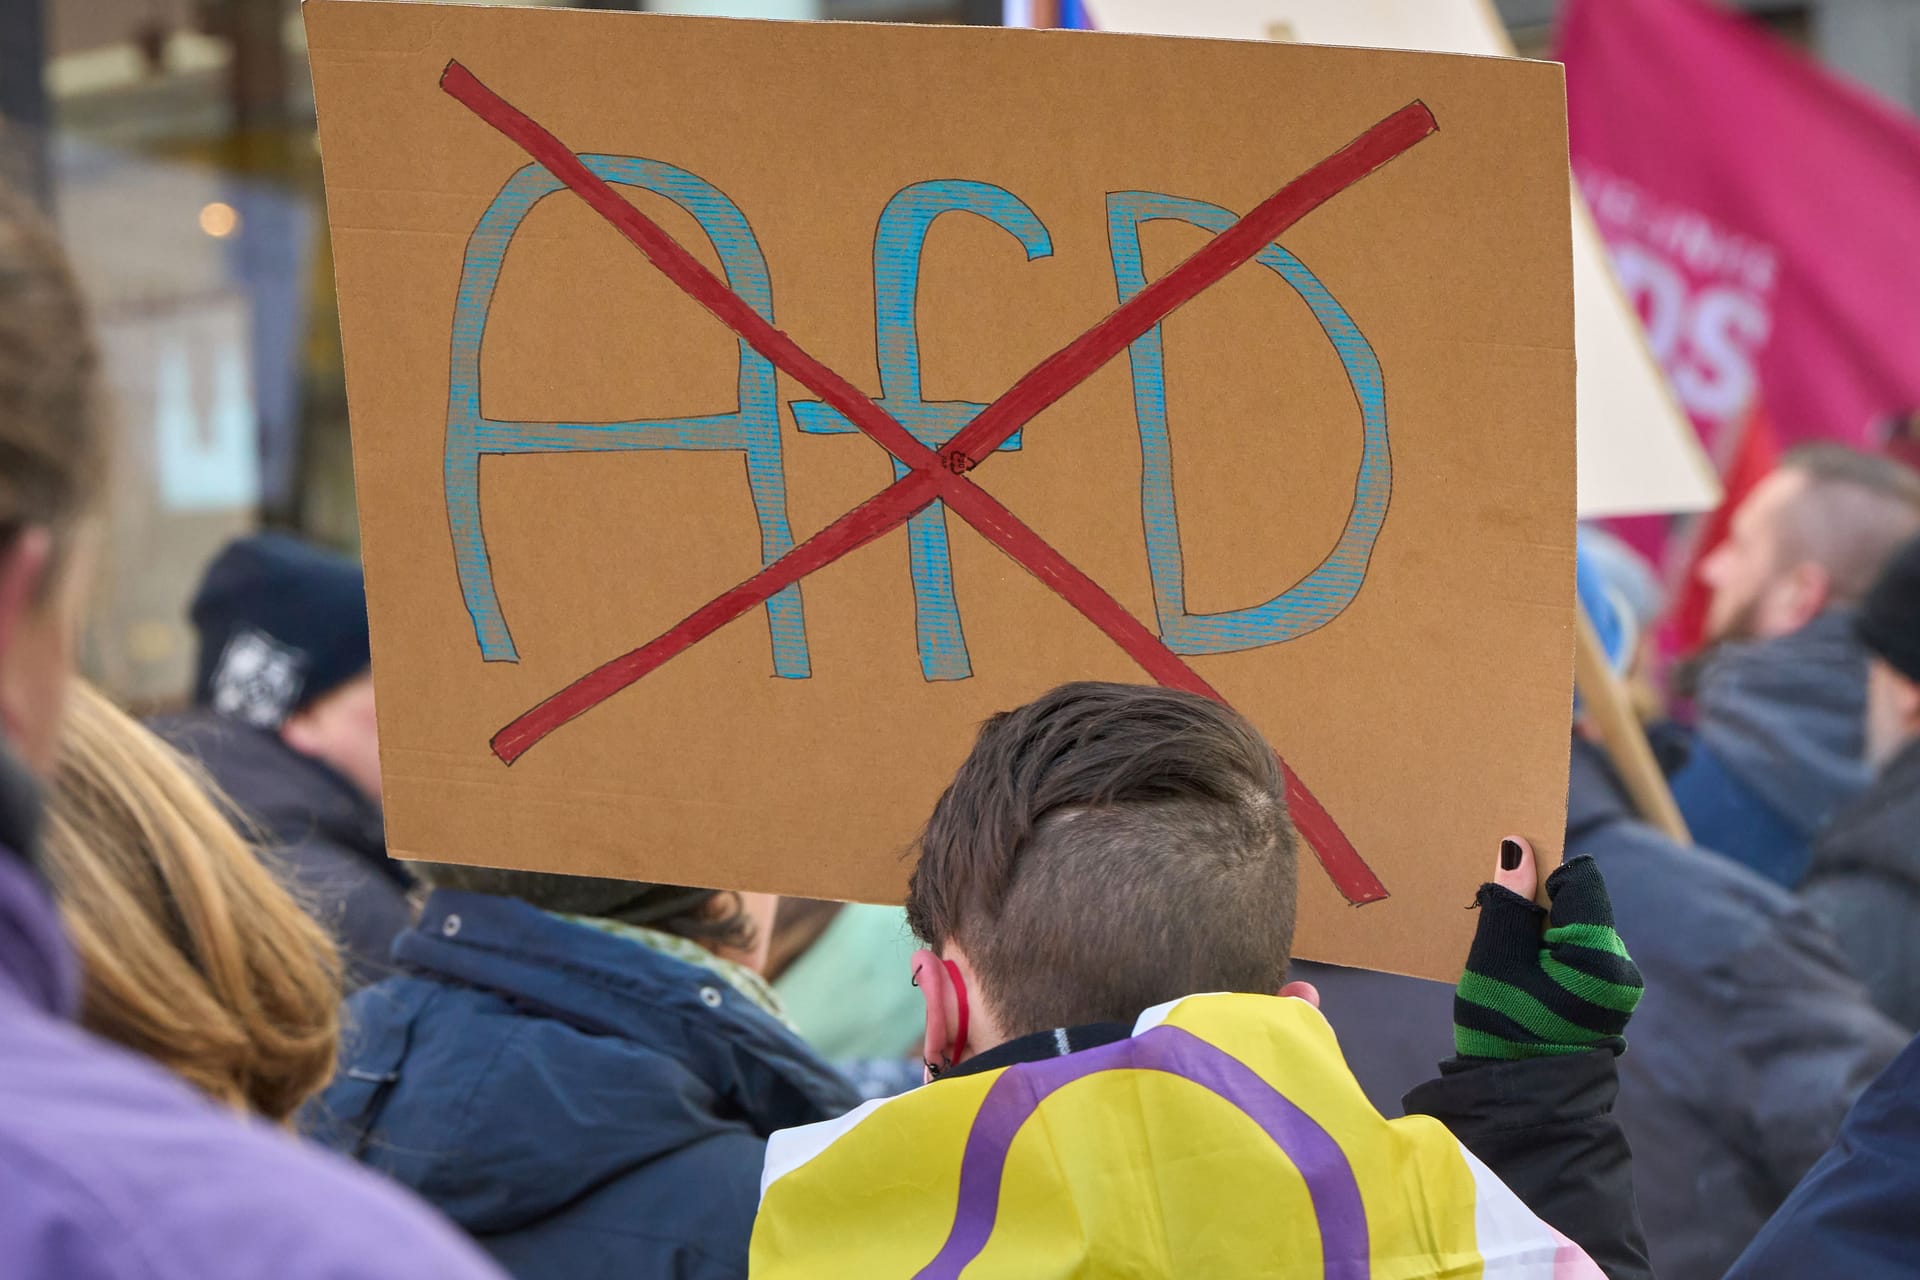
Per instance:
(193,955)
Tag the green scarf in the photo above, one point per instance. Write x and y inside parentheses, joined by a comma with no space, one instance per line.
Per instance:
(736,975)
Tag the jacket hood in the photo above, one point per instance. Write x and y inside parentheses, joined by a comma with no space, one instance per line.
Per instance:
(525,1062)
(293,796)
(1786,717)
(36,963)
(35,960)
(1877,831)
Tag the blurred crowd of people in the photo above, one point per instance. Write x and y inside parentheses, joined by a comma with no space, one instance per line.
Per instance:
(563,1077)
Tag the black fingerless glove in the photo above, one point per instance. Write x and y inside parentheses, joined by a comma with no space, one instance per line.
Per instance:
(1529,994)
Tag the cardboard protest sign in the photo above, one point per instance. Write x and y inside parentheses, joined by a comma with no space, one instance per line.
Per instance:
(1247,368)
(1639,454)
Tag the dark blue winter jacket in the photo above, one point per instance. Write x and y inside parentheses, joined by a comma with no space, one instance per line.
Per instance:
(1853,1216)
(583,1106)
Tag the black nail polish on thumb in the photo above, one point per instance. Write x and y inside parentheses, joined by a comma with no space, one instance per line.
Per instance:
(1510,855)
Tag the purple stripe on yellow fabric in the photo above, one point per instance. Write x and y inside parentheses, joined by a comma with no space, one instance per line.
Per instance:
(1020,1090)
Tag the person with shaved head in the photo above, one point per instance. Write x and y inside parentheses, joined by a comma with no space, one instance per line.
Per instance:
(1779,745)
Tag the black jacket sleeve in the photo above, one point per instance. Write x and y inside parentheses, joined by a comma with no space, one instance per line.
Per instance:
(1545,1127)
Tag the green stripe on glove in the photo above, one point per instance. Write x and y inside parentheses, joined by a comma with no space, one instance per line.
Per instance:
(1534,993)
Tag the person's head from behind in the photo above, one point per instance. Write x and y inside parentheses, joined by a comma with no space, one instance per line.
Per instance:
(1810,537)
(192,953)
(283,647)
(52,460)
(734,926)
(1889,626)
(1103,849)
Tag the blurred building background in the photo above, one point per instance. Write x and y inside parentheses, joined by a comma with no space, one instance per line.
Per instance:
(174,142)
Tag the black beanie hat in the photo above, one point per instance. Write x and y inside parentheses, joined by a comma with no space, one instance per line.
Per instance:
(280,624)
(1889,621)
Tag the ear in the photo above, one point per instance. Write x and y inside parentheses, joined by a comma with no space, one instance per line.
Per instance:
(1907,692)
(297,731)
(23,570)
(943,1009)
(1808,590)
(1301,991)
(23,567)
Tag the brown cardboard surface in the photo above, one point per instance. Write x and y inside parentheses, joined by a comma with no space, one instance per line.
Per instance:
(1428,716)
(1638,452)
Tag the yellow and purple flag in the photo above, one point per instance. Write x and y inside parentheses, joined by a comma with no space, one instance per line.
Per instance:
(1225,1138)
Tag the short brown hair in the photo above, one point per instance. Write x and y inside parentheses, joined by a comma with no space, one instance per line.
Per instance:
(192,954)
(1857,509)
(1107,848)
(683,912)
(52,430)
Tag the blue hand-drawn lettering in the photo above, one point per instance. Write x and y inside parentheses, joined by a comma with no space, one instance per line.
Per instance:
(897,246)
(1325,592)
(753,428)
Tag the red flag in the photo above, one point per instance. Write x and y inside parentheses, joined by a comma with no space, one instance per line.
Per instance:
(1756,454)
(1762,213)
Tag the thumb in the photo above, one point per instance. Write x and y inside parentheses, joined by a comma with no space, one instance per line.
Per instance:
(1517,870)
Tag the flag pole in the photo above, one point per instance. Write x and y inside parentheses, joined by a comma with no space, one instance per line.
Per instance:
(1606,701)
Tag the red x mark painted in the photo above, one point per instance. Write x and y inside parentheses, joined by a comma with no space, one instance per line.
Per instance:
(942,476)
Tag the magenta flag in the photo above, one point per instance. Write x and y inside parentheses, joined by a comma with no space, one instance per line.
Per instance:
(1763,214)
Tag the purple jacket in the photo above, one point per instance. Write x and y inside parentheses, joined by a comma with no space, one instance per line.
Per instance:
(111,1169)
